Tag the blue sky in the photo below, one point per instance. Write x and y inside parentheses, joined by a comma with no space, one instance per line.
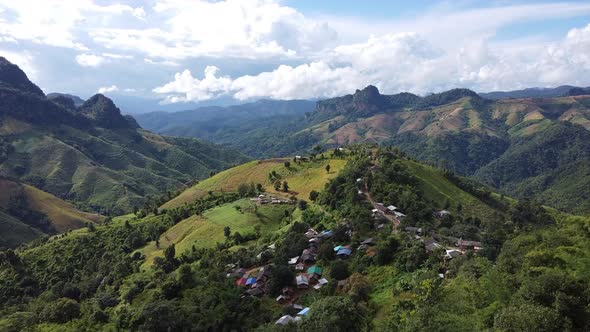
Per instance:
(180,51)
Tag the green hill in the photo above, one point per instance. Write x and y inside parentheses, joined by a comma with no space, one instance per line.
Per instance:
(457,130)
(91,154)
(28,213)
(173,265)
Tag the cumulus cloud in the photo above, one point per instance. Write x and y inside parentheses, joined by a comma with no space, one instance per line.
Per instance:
(247,29)
(107,89)
(400,62)
(89,60)
(57,23)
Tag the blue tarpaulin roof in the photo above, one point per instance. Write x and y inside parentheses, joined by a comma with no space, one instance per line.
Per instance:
(344,251)
(303,312)
(250,281)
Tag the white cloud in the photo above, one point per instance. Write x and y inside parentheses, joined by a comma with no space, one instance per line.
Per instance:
(58,23)
(107,89)
(89,60)
(247,29)
(401,62)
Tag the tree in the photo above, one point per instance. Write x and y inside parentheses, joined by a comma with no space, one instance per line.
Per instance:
(328,168)
(227,231)
(259,188)
(313,195)
(277,185)
(336,313)
(302,205)
(185,276)
(285,186)
(287,164)
(62,311)
(281,276)
(339,270)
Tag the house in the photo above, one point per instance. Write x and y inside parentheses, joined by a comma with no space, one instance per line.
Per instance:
(359,180)
(272,247)
(321,283)
(241,281)
(300,267)
(344,252)
(316,241)
(250,281)
(391,209)
(370,241)
(442,213)
(326,234)
(336,248)
(288,292)
(469,245)
(255,291)
(340,285)
(281,299)
(399,214)
(284,320)
(303,312)
(360,193)
(381,207)
(302,281)
(293,260)
(431,245)
(366,243)
(297,306)
(311,233)
(452,253)
(415,230)
(315,272)
(264,273)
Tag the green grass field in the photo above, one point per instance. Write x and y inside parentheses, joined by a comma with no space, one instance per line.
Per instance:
(302,178)
(207,230)
(439,189)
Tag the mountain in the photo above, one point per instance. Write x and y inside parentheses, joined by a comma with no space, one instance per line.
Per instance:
(559,91)
(457,129)
(91,154)
(56,95)
(256,129)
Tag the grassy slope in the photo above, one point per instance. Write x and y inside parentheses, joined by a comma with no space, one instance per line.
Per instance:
(302,178)
(438,189)
(62,214)
(13,232)
(206,230)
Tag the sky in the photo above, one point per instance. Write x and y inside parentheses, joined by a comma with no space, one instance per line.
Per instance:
(191,51)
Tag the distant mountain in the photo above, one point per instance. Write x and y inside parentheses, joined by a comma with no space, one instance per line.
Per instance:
(56,95)
(559,91)
(256,129)
(91,154)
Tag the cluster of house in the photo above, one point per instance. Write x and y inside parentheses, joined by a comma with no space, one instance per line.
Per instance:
(286,319)
(254,280)
(264,199)
(460,246)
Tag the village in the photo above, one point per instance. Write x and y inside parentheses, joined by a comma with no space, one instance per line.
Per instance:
(309,275)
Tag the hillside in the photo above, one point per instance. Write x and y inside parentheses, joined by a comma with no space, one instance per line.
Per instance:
(302,178)
(30,212)
(457,130)
(254,128)
(187,278)
(92,155)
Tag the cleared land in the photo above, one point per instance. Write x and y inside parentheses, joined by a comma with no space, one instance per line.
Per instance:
(302,178)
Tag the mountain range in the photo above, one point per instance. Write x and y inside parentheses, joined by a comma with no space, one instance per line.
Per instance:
(457,129)
(89,153)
